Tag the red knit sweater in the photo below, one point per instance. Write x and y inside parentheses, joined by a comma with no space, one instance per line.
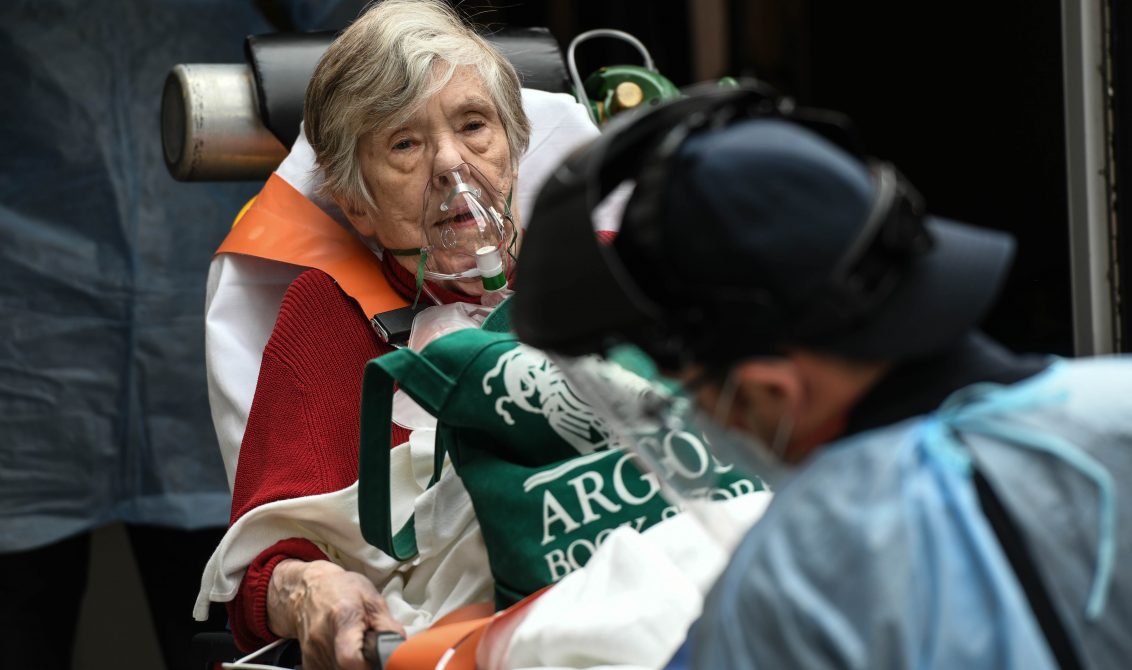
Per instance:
(304,424)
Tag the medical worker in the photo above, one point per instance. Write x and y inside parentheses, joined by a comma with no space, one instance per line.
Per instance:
(941,501)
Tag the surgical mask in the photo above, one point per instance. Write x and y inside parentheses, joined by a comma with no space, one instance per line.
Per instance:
(467,228)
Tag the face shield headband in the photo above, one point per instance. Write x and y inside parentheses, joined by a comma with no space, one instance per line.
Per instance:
(674,319)
(466,226)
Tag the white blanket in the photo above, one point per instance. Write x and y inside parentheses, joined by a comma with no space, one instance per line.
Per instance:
(450,571)
(632,603)
(629,607)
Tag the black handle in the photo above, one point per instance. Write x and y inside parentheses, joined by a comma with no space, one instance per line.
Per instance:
(378,646)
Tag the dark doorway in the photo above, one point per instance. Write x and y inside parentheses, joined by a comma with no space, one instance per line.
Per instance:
(966,97)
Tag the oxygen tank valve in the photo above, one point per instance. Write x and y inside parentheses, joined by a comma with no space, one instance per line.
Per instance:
(617,88)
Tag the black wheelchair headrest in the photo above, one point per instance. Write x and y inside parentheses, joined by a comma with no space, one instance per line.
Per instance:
(282,64)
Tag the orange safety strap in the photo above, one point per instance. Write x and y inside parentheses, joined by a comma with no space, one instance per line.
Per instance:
(425,649)
(281,224)
(455,638)
(463,653)
(491,648)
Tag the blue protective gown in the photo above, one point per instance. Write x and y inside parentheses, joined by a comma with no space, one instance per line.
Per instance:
(878,555)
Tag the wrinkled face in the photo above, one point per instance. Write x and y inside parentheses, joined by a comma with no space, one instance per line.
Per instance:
(459,124)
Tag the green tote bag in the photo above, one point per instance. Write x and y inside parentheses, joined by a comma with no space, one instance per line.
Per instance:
(546,480)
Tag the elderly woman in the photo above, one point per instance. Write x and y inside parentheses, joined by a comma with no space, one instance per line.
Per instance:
(416,124)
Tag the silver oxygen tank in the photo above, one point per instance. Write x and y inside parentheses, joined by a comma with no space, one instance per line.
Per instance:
(210,125)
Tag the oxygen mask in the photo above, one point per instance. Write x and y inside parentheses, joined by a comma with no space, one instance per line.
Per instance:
(468,230)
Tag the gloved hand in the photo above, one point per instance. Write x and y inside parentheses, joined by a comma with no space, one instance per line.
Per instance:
(329,610)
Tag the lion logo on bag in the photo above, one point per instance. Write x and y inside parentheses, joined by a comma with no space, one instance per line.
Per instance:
(532,383)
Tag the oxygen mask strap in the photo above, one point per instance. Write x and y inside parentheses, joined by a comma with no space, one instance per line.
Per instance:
(514,229)
(403,252)
(423,254)
(420,277)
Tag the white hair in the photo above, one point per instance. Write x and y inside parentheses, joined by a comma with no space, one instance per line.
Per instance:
(382,69)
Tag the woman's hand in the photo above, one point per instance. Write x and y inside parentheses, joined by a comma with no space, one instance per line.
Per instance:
(328,609)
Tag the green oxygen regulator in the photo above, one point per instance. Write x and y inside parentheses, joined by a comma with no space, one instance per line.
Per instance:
(617,88)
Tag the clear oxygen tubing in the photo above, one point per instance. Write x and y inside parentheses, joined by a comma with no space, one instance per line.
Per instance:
(243,664)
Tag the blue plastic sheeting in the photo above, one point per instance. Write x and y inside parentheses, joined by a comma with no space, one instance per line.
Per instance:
(317,14)
(103,258)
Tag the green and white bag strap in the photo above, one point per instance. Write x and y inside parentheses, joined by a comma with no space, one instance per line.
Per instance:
(430,389)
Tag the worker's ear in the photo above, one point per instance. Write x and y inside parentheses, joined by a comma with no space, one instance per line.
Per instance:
(766,391)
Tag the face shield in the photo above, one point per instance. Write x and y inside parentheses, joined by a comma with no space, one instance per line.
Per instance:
(696,464)
(467,227)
